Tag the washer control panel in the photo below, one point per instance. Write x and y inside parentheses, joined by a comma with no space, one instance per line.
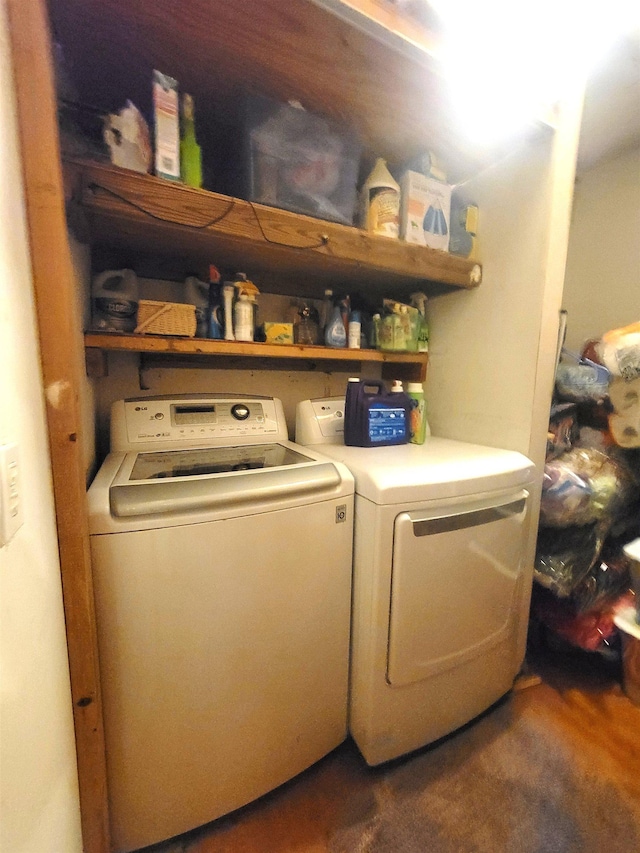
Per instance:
(194,420)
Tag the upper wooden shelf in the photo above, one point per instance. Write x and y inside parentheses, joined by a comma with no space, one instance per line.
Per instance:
(140,212)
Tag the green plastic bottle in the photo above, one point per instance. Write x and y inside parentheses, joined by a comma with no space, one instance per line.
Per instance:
(418,424)
(190,154)
(419,301)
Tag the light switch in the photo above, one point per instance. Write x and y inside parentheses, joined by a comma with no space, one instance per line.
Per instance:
(11,517)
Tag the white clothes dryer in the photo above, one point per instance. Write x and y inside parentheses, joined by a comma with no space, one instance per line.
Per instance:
(221,557)
(441,588)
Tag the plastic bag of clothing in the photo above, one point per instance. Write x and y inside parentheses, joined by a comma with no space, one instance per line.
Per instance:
(563,430)
(605,582)
(592,631)
(564,556)
(580,380)
(581,487)
(565,495)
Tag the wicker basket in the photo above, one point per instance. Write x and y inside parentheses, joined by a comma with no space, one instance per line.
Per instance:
(166,318)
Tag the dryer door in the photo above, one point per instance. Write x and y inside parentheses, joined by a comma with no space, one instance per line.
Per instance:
(455,584)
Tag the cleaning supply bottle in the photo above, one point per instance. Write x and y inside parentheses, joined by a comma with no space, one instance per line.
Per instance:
(373,417)
(345,311)
(325,310)
(228,292)
(419,301)
(190,154)
(418,424)
(115,300)
(353,428)
(243,285)
(380,202)
(374,340)
(216,318)
(243,318)
(334,334)
(307,329)
(355,328)
(197,294)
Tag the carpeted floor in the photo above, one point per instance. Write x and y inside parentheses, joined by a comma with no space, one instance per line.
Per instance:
(553,768)
(507,784)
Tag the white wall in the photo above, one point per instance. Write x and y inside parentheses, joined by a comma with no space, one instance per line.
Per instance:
(602,286)
(492,349)
(39,811)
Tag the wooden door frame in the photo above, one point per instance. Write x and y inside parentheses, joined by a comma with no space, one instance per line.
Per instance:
(62,363)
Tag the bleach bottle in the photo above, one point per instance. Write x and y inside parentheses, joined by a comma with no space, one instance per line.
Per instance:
(373,417)
(115,300)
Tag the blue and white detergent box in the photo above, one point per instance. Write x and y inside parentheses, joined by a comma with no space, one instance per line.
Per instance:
(425,211)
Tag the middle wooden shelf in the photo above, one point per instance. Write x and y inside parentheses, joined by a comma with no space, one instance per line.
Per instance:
(403,365)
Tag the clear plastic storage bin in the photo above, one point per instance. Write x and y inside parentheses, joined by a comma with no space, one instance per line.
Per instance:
(298,161)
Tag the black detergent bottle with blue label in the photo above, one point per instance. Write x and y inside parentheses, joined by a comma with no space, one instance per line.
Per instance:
(373,417)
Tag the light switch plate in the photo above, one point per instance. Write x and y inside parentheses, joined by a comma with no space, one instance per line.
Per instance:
(11,515)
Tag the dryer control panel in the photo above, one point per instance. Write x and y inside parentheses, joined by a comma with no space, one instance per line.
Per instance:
(320,421)
(148,422)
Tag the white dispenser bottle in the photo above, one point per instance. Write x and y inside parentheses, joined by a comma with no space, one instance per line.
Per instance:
(243,318)
(228,291)
(419,426)
(380,202)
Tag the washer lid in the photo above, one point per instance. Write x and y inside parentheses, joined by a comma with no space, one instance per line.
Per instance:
(211,478)
(440,468)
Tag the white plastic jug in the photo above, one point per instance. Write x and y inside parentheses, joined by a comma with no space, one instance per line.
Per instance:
(115,300)
(380,202)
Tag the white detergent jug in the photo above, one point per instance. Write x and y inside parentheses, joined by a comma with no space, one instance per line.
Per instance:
(115,300)
(380,202)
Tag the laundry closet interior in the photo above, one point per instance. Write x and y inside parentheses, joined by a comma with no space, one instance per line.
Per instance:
(494,320)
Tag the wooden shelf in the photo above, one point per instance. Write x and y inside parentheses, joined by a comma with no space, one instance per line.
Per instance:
(287,251)
(401,364)
(357,62)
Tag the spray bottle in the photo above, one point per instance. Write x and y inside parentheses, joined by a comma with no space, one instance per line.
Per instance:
(216,320)
(419,301)
(197,294)
(190,154)
(228,292)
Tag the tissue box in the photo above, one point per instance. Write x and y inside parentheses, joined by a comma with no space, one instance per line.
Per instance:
(298,161)
(425,211)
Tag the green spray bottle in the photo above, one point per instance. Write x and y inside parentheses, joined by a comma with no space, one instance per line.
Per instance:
(190,154)
(419,301)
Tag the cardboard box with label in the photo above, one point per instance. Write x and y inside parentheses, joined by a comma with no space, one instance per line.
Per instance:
(425,210)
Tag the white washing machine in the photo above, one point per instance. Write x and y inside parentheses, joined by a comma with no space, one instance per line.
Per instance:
(440,587)
(221,557)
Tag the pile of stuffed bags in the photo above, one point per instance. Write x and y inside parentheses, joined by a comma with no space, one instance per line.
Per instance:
(590,505)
